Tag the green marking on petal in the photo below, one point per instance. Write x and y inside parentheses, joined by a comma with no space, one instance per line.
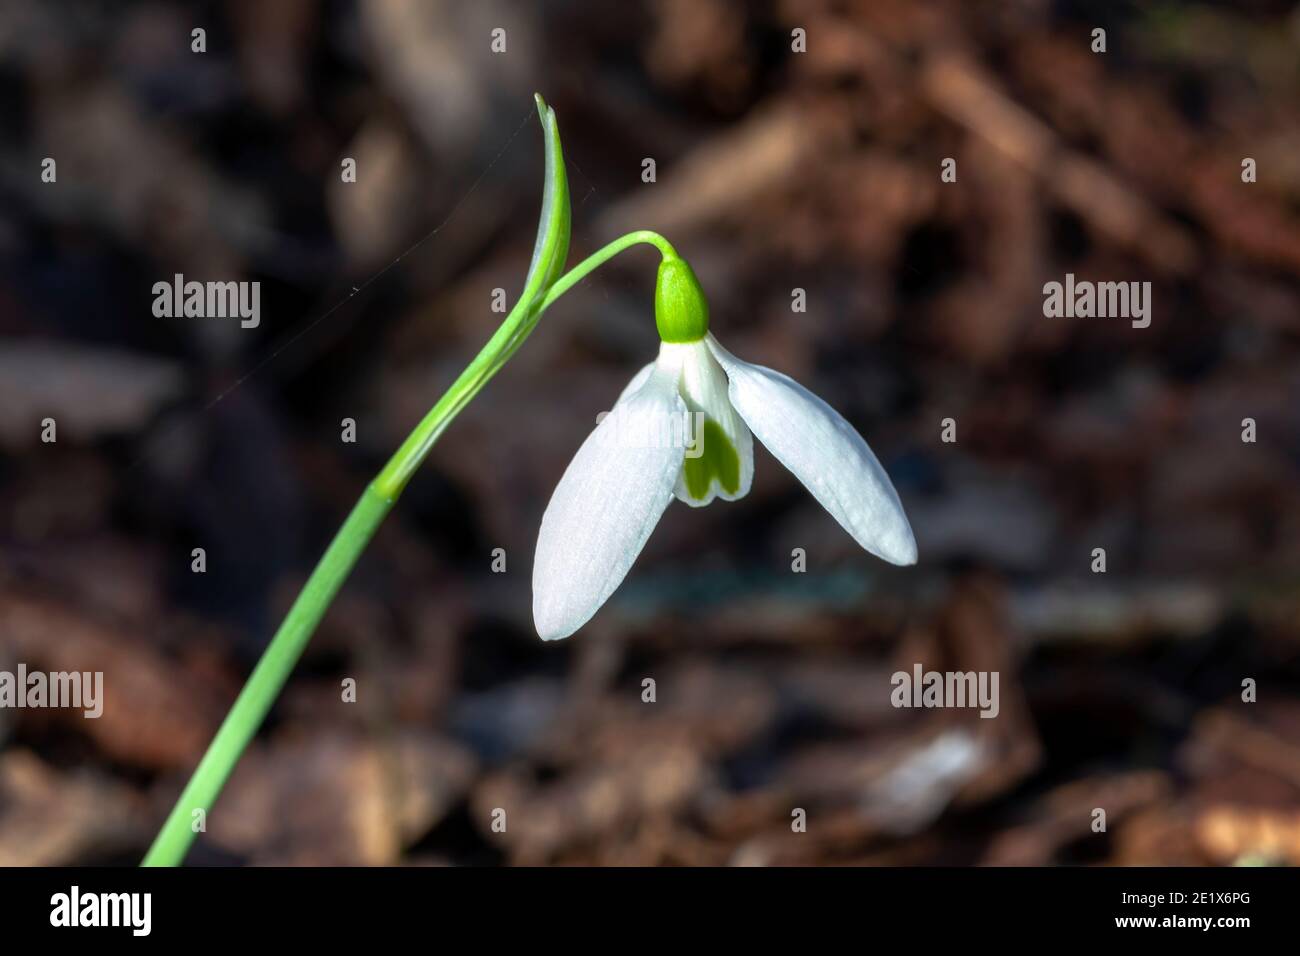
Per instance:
(719,462)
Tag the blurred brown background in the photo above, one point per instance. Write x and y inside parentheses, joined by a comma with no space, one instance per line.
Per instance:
(776,170)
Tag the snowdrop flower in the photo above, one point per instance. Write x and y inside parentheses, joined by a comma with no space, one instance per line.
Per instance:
(616,488)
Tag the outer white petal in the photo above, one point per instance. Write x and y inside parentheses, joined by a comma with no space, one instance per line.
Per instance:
(604,508)
(703,386)
(824,452)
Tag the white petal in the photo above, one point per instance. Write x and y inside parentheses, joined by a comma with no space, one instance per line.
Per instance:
(604,508)
(824,452)
(703,387)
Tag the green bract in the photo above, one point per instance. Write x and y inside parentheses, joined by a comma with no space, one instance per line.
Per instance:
(552,246)
(549,254)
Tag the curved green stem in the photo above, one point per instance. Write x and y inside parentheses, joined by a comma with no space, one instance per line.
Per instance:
(286,647)
(603,255)
(582,270)
(501,347)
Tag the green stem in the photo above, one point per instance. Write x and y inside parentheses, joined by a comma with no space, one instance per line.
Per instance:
(580,272)
(286,647)
(603,255)
(264,685)
(499,350)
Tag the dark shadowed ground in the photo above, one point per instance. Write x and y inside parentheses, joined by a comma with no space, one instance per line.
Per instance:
(776,170)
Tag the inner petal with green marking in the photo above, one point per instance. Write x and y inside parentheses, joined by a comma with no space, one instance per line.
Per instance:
(719,452)
(717,461)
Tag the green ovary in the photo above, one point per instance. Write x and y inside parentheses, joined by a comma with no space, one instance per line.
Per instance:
(719,461)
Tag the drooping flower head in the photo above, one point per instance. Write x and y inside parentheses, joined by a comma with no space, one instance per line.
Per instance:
(622,479)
